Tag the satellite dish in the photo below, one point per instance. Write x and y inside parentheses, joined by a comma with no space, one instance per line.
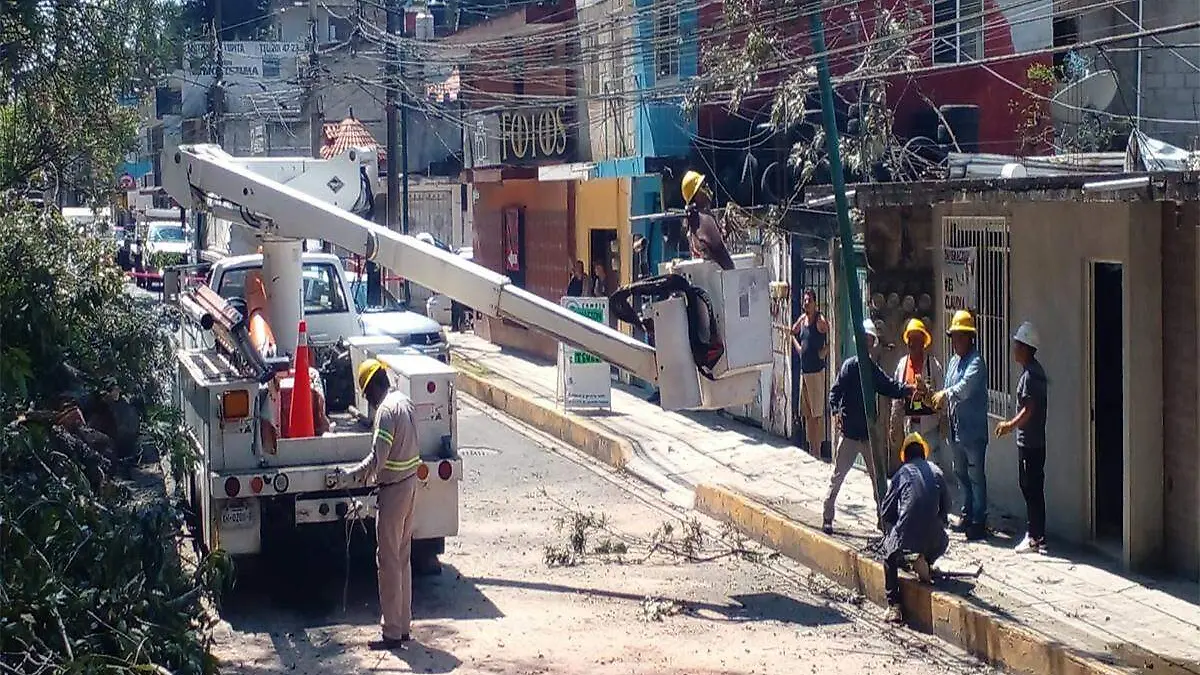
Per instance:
(1094,91)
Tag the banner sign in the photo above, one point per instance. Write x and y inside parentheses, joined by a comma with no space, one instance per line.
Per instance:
(959,279)
(584,381)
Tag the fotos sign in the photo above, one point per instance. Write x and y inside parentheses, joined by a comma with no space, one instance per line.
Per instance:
(584,381)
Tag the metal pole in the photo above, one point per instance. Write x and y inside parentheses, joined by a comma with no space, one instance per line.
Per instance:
(215,93)
(853,292)
(316,126)
(374,292)
(404,168)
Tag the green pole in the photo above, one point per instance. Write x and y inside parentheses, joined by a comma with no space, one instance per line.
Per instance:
(853,292)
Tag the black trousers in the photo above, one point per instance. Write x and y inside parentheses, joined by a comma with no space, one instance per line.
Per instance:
(891,577)
(1032,476)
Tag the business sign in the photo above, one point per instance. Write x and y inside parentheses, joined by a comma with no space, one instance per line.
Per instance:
(260,77)
(959,276)
(516,137)
(584,381)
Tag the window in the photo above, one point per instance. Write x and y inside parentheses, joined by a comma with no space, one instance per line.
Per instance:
(321,288)
(989,236)
(591,61)
(339,29)
(666,39)
(957,31)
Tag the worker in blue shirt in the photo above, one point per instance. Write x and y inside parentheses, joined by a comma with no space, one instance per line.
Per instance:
(966,397)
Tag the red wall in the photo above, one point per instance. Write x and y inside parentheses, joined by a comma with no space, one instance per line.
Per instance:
(844,31)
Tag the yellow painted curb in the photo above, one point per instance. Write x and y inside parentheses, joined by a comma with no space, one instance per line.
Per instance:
(988,636)
(578,433)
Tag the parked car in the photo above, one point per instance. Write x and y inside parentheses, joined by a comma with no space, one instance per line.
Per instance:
(166,245)
(393,319)
(449,312)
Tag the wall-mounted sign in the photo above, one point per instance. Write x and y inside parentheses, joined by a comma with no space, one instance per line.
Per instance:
(533,134)
(958,279)
(520,137)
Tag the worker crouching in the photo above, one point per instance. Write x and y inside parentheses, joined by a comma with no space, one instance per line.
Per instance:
(392,465)
(914,512)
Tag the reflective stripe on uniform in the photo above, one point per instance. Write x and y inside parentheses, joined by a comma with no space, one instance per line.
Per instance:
(401,466)
(385,436)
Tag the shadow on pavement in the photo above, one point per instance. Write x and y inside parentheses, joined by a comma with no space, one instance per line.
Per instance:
(754,607)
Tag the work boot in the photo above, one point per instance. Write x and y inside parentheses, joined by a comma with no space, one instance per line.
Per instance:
(977,532)
(827,528)
(894,615)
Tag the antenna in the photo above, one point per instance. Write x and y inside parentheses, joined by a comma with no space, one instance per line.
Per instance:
(1093,92)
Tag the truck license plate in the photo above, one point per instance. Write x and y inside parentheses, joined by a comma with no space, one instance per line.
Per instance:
(235,516)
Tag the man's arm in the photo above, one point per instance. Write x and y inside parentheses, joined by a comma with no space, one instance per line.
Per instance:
(838,390)
(822,324)
(888,386)
(889,508)
(974,379)
(1028,407)
(366,471)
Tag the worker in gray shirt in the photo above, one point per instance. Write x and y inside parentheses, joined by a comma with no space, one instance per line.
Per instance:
(1030,425)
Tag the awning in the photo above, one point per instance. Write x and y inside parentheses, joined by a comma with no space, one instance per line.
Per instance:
(573,171)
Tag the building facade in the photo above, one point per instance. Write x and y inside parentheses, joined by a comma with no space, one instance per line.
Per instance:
(1110,280)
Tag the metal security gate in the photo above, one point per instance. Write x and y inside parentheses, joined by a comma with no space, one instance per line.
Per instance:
(989,236)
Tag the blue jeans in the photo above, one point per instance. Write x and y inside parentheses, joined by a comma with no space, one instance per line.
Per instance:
(969,463)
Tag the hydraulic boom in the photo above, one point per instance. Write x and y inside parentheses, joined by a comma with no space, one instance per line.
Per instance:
(205,178)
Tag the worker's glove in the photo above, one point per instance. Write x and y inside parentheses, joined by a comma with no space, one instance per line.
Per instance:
(938,400)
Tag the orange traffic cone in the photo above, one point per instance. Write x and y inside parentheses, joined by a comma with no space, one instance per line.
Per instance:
(300,420)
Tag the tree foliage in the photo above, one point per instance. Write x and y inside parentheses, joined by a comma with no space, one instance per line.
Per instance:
(767,53)
(92,576)
(64,67)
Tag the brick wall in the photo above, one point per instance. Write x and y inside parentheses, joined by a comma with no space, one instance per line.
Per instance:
(1181,431)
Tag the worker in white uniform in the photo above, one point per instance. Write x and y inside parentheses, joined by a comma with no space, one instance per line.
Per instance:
(392,465)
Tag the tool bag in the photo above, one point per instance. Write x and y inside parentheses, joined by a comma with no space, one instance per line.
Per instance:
(707,346)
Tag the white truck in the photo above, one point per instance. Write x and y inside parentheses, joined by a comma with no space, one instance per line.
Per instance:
(224,388)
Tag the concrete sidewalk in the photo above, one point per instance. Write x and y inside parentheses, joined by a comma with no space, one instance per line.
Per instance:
(1067,612)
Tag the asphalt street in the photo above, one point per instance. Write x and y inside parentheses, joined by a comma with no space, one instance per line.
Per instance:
(498,607)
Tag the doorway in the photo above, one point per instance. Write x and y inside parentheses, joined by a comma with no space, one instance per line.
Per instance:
(1107,405)
(604,252)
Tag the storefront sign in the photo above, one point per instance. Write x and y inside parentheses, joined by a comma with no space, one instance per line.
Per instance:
(584,381)
(959,279)
(528,136)
(533,134)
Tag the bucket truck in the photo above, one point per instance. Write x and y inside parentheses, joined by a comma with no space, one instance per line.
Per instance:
(281,215)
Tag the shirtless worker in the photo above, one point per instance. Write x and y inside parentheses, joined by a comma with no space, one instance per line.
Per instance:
(703,233)
(392,464)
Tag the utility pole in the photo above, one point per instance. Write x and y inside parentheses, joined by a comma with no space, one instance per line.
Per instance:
(390,63)
(316,126)
(216,93)
(853,292)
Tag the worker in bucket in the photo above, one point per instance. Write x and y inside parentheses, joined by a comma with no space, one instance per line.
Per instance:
(704,234)
(392,465)
(914,512)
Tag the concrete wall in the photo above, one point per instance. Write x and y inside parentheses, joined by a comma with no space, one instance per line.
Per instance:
(1181,395)
(1052,244)
(1170,87)
(607,131)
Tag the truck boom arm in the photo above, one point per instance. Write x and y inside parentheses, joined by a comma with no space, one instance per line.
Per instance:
(204,177)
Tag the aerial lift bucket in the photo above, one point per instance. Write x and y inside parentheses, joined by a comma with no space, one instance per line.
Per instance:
(300,419)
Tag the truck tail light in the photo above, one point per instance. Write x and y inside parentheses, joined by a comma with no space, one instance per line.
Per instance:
(235,404)
(445,470)
(431,386)
(256,484)
(423,472)
(232,487)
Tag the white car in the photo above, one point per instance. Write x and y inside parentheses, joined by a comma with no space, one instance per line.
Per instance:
(392,318)
(447,312)
(165,245)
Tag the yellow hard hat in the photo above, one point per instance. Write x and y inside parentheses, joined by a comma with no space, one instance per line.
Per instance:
(918,326)
(692,181)
(914,437)
(963,322)
(367,370)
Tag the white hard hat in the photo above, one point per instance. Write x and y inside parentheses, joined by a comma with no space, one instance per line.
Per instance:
(1027,334)
(870,328)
